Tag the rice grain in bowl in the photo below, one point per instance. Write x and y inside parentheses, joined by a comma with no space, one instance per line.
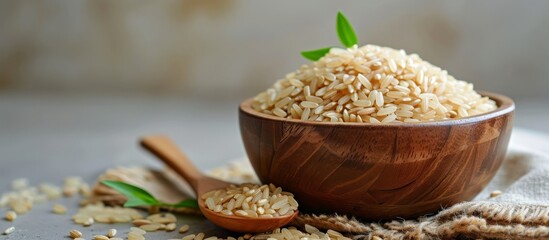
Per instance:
(378,170)
(371,84)
(376,133)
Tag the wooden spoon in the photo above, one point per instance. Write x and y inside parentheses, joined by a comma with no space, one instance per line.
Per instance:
(166,150)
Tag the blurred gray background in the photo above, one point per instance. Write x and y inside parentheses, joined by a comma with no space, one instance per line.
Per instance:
(233,49)
(81,81)
(76,73)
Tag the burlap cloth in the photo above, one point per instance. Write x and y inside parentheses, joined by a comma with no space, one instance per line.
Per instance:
(520,212)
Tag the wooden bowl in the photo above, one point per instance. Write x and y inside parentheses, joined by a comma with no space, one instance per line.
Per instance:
(378,171)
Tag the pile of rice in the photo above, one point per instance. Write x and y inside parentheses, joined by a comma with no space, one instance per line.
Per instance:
(371,84)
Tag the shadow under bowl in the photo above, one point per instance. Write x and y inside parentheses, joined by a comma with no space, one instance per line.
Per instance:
(378,171)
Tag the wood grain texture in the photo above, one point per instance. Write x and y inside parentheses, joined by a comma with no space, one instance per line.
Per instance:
(378,171)
(166,150)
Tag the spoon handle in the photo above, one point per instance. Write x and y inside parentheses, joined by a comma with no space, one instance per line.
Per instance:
(166,150)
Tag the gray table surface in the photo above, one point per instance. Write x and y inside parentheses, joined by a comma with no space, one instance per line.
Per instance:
(46,137)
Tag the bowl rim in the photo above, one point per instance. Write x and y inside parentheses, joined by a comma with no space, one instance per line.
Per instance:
(504,103)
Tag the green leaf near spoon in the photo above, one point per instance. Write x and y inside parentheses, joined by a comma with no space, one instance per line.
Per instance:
(346,35)
(139,197)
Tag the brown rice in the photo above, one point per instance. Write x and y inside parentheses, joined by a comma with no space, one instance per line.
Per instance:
(251,200)
(10,216)
(75,233)
(291,233)
(371,84)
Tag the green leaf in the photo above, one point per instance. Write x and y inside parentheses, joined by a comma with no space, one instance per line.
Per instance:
(188,203)
(136,196)
(139,197)
(345,31)
(316,54)
(135,202)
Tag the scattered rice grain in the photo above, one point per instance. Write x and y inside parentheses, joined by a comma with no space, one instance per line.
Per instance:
(170,227)
(199,236)
(247,236)
(100,237)
(189,237)
(59,209)
(111,233)
(88,222)
(9,230)
(150,227)
(135,236)
(184,228)
(10,216)
(75,233)
(140,222)
(138,230)
(495,193)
